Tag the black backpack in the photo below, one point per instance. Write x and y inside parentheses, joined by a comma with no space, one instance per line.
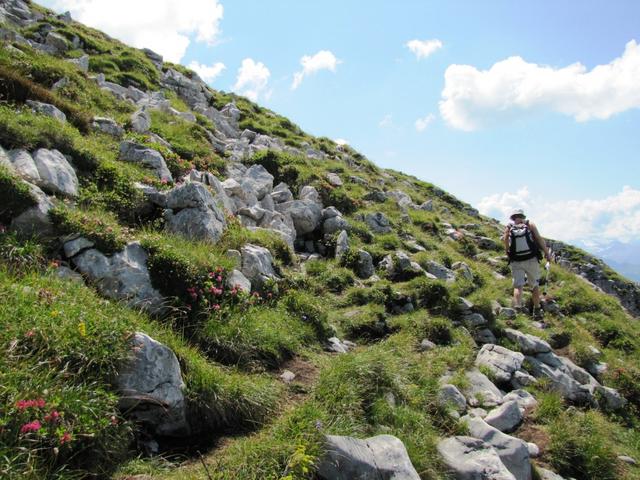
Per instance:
(522,245)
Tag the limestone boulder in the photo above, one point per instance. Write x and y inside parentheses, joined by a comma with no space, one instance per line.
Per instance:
(151,387)
(383,457)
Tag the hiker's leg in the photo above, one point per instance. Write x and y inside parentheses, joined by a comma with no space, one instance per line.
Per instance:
(517,297)
(536,297)
(518,273)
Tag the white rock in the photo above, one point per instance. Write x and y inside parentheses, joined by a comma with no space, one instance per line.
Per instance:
(55,172)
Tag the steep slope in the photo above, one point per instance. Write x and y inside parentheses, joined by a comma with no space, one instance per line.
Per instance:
(193,287)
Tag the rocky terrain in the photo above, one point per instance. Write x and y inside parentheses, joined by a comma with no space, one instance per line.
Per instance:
(192,287)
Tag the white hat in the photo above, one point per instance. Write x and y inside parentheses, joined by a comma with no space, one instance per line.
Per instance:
(517,211)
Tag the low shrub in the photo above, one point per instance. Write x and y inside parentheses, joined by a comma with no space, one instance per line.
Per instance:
(101,227)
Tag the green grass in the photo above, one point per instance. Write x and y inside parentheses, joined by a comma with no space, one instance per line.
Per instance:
(15,196)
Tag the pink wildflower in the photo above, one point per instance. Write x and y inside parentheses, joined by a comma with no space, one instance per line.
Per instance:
(65,438)
(52,417)
(216,307)
(31,427)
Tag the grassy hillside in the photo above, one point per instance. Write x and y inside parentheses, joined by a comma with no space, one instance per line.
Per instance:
(63,343)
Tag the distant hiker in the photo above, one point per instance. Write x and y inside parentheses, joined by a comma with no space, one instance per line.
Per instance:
(525,246)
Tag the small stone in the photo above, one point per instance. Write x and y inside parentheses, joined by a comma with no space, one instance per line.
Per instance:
(628,460)
(287,376)
(426,345)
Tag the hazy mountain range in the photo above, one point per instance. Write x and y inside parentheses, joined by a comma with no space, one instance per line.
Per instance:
(623,257)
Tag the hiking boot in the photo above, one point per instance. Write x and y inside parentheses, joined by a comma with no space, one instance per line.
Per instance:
(521,309)
(538,314)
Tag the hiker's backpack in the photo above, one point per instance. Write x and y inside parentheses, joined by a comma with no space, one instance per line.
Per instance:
(522,245)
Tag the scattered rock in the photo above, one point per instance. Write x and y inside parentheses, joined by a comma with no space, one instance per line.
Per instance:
(141,121)
(529,344)
(151,387)
(450,396)
(334,179)
(47,109)
(378,222)
(506,417)
(628,460)
(108,126)
(237,280)
(501,361)
(481,391)
(287,376)
(523,398)
(148,157)
(334,344)
(342,243)
(364,264)
(380,457)
(426,345)
(440,271)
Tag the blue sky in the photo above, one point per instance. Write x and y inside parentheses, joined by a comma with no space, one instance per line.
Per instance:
(526,148)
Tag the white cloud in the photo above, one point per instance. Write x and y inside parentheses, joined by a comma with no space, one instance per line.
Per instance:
(341,141)
(472,98)
(386,122)
(164,26)
(423,48)
(252,80)
(422,123)
(208,74)
(323,60)
(616,217)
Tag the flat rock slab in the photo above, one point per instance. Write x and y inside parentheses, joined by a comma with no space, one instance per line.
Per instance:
(383,457)
(481,391)
(513,452)
(501,361)
(472,459)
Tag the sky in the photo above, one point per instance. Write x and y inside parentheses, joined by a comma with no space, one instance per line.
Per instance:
(531,104)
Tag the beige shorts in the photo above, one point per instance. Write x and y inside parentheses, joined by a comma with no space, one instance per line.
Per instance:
(526,268)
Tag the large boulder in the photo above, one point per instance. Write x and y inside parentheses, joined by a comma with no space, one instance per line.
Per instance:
(501,361)
(383,457)
(147,157)
(469,458)
(513,452)
(194,213)
(306,215)
(55,172)
(151,388)
(257,265)
(123,276)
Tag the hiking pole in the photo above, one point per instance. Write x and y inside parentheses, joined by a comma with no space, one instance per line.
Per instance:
(547,267)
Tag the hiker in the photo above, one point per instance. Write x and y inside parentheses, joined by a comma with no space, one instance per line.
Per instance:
(525,246)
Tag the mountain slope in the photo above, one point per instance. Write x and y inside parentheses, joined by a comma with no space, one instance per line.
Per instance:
(171,254)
